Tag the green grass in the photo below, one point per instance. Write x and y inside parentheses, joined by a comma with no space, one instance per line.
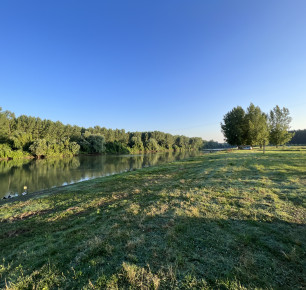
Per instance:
(220,221)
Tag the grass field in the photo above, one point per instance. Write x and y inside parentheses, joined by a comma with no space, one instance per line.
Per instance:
(231,220)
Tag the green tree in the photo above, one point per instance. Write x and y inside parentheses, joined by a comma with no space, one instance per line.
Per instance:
(136,144)
(279,122)
(21,140)
(257,126)
(5,151)
(299,137)
(92,143)
(97,143)
(152,145)
(74,148)
(6,125)
(195,143)
(234,127)
(39,148)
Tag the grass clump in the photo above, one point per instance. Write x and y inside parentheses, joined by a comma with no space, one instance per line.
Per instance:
(219,221)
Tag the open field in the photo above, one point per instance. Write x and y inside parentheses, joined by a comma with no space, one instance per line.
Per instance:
(223,220)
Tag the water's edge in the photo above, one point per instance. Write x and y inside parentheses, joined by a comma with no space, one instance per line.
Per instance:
(43,174)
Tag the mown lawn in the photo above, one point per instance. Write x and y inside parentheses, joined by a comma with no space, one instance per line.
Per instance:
(224,220)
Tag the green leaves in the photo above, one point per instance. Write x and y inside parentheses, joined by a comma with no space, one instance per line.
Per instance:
(279,122)
(234,127)
(255,127)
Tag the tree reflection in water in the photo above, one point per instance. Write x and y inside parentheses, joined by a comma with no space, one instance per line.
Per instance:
(47,173)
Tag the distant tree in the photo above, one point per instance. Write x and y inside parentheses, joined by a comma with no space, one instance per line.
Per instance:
(211,144)
(234,127)
(6,124)
(257,126)
(5,151)
(299,137)
(136,144)
(116,148)
(22,132)
(97,143)
(151,145)
(92,143)
(74,148)
(195,143)
(279,122)
(39,148)
(169,141)
(21,140)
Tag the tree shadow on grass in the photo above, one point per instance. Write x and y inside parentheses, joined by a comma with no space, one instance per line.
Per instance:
(174,249)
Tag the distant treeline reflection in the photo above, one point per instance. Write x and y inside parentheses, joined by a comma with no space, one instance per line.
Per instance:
(46,173)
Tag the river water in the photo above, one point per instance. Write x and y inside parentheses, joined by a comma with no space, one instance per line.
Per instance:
(47,173)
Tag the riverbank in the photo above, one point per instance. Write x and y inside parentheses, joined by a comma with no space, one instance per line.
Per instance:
(48,173)
(228,220)
(25,155)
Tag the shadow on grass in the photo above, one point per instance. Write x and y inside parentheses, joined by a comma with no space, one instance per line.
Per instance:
(156,229)
(212,252)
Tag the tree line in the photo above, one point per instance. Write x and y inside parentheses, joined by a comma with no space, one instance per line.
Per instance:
(32,136)
(256,128)
(299,137)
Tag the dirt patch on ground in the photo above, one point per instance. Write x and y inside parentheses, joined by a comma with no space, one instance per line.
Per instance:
(29,214)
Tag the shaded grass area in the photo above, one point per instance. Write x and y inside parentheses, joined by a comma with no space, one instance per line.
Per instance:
(222,220)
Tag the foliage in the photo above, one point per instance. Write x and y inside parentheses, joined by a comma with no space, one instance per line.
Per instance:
(151,145)
(49,148)
(6,121)
(21,140)
(279,121)
(6,152)
(257,126)
(92,143)
(211,144)
(299,137)
(24,132)
(116,148)
(39,148)
(234,127)
(135,144)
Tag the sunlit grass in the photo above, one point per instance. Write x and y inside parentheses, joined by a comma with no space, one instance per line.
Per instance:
(222,220)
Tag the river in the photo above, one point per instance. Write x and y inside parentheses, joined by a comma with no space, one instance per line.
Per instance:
(47,173)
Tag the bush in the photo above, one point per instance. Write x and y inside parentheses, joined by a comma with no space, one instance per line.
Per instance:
(7,152)
(116,148)
(43,148)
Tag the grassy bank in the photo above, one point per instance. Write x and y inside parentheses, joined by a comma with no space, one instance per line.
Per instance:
(222,220)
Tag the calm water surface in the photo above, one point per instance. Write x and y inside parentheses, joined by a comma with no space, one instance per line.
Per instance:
(48,173)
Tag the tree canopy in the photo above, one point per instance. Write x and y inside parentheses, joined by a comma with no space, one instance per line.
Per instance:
(299,137)
(41,138)
(279,121)
(234,127)
(254,127)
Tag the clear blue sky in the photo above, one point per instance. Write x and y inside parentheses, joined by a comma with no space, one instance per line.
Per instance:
(174,66)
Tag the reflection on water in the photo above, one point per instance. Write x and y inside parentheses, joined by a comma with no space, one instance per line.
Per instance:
(47,173)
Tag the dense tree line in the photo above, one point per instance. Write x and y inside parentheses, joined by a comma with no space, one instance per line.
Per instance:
(254,127)
(26,135)
(299,137)
(211,144)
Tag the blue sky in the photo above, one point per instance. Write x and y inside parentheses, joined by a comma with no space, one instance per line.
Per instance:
(173,66)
